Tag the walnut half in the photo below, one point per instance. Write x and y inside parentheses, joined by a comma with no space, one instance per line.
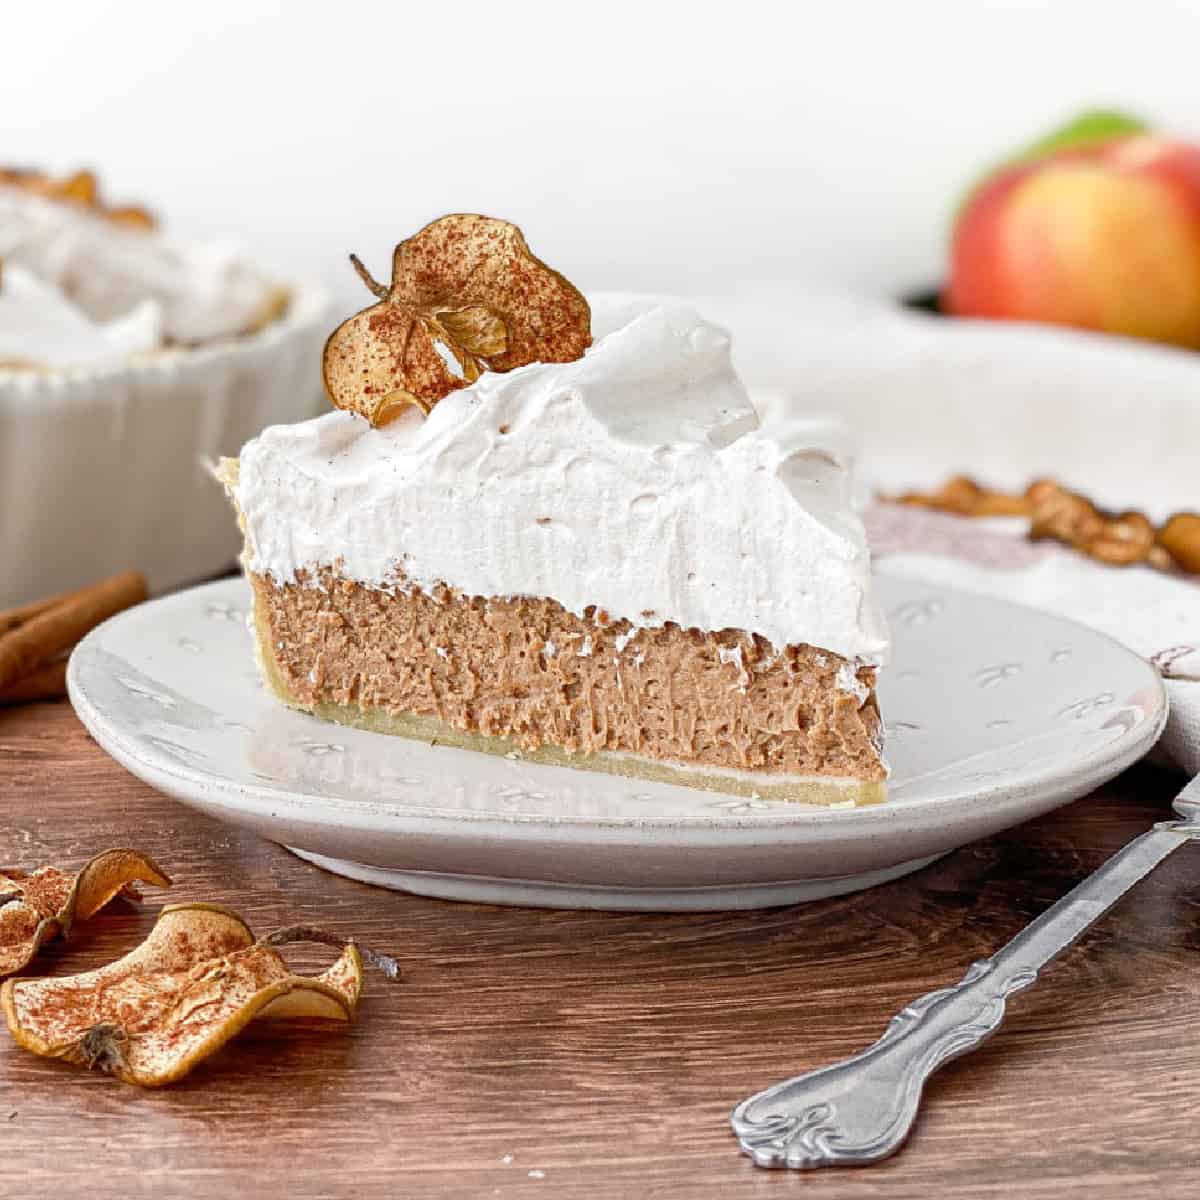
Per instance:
(1058,514)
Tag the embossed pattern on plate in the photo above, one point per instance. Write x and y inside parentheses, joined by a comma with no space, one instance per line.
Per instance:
(995,713)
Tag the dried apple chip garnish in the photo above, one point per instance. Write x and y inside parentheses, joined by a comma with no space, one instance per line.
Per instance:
(466,295)
(196,981)
(81,189)
(43,904)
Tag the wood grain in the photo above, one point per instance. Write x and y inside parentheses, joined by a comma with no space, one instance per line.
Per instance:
(606,1050)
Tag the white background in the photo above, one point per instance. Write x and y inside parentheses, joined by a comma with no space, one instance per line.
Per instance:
(684,147)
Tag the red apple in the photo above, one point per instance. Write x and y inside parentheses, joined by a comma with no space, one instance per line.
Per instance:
(1103,236)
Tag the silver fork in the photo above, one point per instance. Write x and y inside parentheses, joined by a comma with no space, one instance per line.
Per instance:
(861,1109)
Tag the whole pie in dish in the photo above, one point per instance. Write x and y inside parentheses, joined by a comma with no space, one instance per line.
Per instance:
(560,531)
(83,282)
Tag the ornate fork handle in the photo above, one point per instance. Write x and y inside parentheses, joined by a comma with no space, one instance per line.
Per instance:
(860,1110)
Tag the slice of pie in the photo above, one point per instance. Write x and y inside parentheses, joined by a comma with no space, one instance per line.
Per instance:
(608,561)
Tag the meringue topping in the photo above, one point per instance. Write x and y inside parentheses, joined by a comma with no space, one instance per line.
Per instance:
(107,269)
(638,481)
(40,327)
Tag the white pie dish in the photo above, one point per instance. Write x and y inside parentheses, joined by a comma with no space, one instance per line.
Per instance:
(104,468)
(996,713)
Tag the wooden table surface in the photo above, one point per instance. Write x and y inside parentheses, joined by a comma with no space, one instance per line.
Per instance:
(576,1054)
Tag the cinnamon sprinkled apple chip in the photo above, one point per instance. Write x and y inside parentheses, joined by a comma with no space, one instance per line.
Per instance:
(38,906)
(466,295)
(196,981)
(82,189)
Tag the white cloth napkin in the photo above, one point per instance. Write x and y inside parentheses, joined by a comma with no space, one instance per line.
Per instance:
(1155,615)
(927,397)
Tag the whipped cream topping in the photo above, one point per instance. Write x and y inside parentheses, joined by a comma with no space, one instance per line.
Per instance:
(40,327)
(204,291)
(638,479)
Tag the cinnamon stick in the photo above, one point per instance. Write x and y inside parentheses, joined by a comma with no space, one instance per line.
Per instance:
(10,618)
(50,632)
(46,683)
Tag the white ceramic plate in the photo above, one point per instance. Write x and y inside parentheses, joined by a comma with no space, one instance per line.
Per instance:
(995,714)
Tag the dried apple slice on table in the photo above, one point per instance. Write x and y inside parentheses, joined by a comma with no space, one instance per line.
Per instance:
(196,981)
(38,906)
(467,295)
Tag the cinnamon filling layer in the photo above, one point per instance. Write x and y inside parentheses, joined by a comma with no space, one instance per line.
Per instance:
(528,670)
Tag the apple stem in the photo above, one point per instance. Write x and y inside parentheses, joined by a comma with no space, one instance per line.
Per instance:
(307,933)
(373,285)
